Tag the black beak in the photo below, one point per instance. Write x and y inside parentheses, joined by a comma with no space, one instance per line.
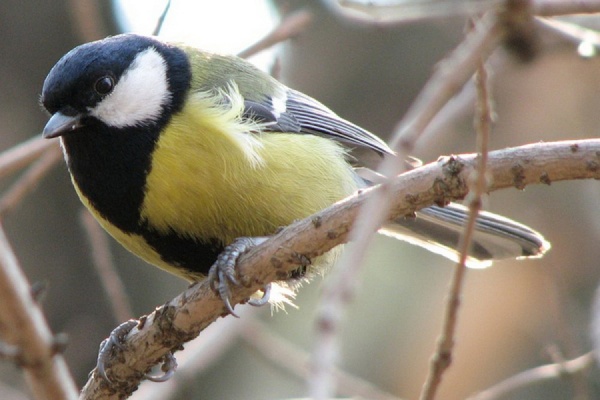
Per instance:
(59,124)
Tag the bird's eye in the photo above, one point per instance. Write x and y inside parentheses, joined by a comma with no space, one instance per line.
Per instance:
(104,85)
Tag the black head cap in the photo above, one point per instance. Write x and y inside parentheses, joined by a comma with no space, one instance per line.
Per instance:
(71,87)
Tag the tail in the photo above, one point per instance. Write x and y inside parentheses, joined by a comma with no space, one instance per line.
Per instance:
(438,230)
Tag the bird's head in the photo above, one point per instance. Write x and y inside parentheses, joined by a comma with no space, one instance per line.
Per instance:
(121,82)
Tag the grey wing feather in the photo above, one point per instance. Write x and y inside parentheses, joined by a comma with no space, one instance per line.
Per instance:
(317,119)
(305,115)
(495,238)
(263,112)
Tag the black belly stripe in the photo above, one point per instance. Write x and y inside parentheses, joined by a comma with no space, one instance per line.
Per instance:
(110,169)
(190,254)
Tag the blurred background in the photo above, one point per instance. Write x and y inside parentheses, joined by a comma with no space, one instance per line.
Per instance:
(514,316)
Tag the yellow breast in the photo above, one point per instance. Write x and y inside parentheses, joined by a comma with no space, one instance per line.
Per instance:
(210,178)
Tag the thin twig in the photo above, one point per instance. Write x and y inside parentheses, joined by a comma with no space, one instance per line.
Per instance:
(290,27)
(557,357)
(573,32)
(392,13)
(405,11)
(537,375)
(566,332)
(296,361)
(86,19)
(8,352)
(184,317)
(453,72)
(340,287)
(450,75)
(549,8)
(22,324)
(23,154)
(443,355)
(161,19)
(103,262)
(29,180)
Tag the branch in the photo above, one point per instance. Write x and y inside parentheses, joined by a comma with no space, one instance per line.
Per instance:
(103,262)
(29,180)
(200,354)
(291,26)
(161,19)
(22,325)
(18,157)
(548,8)
(450,75)
(442,357)
(287,356)
(537,375)
(86,19)
(455,70)
(182,319)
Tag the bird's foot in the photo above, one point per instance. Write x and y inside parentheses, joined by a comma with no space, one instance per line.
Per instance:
(223,272)
(264,299)
(169,366)
(115,339)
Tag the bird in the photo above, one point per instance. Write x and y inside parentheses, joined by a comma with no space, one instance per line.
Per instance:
(188,158)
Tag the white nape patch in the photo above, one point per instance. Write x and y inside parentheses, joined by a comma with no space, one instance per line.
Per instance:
(139,95)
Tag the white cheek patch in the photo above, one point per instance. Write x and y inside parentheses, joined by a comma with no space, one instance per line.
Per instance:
(139,95)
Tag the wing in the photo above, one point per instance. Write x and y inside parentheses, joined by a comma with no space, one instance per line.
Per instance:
(297,113)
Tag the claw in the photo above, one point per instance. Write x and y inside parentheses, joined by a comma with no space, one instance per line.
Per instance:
(223,273)
(228,305)
(113,340)
(169,367)
(264,299)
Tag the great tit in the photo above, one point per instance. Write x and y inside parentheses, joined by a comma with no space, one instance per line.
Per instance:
(178,152)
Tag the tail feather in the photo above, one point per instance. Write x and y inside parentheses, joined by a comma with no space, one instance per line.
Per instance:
(438,230)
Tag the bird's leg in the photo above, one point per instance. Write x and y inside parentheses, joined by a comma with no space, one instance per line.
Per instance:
(114,340)
(223,273)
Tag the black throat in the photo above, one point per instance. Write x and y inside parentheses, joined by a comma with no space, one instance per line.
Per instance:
(109,166)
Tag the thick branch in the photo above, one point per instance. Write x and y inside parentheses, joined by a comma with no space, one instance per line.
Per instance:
(22,325)
(182,319)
